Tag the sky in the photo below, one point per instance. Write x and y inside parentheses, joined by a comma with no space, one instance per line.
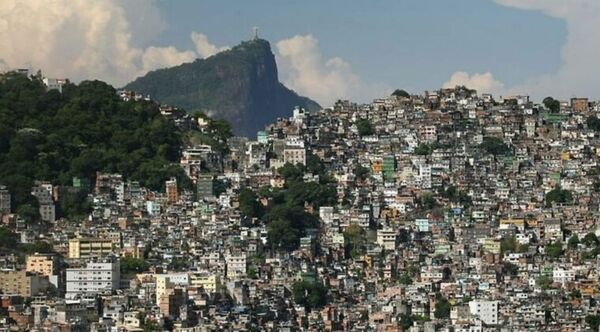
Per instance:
(326,50)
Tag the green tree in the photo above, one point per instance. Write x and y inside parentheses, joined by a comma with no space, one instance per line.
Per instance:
(590,239)
(41,247)
(510,268)
(554,250)
(252,273)
(428,201)
(249,205)
(361,172)
(365,127)
(291,172)
(508,244)
(8,239)
(405,279)
(354,240)
(130,265)
(558,195)
(552,104)
(573,241)
(29,213)
(593,321)
(544,282)
(74,205)
(442,308)
(593,123)
(495,146)
(282,235)
(423,149)
(401,93)
(312,295)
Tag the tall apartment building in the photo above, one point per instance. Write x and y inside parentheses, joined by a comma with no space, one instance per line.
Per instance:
(172,301)
(43,193)
(579,105)
(487,311)
(171,190)
(204,186)
(95,277)
(386,238)
(22,283)
(4,200)
(44,265)
(236,266)
(90,247)
(294,152)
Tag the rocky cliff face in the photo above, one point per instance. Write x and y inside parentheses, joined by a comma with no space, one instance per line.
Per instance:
(239,85)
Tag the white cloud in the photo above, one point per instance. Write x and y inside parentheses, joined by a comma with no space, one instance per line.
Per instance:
(81,39)
(158,57)
(204,47)
(483,83)
(305,71)
(579,73)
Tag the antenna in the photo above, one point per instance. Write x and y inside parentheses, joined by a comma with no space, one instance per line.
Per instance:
(254,33)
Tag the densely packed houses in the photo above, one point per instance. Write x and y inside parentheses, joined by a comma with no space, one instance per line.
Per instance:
(447,211)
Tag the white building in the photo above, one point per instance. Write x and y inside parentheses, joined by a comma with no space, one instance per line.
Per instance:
(326,213)
(425,176)
(294,152)
(236,266)
(54,84)
(562,275)
(487,311)
(386,238)
(95,277)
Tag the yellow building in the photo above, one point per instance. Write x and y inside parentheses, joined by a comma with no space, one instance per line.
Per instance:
(90,247)
(377,166)
(21,283)
(42,264)
(518,223)
(492,246)
(208,281)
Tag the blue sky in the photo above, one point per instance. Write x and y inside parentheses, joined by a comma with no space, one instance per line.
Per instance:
(415,45)
(325,49)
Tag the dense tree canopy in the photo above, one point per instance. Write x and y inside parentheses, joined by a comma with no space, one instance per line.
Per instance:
(365,127)
(311,294)
(442,308)
(287,218)
(558,195)
(46,135)
(401,93)
(552,104)
(592,122)
(495,146)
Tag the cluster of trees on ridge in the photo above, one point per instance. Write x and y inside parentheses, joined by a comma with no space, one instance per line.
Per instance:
(53,136)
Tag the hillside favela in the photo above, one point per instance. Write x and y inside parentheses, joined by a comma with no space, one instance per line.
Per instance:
(274,185)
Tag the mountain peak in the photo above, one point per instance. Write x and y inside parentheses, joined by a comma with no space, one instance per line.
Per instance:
(239,85)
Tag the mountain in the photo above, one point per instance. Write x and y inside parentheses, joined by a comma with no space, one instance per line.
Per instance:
(239,85)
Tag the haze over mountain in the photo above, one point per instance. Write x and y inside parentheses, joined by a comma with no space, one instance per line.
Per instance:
(239,85)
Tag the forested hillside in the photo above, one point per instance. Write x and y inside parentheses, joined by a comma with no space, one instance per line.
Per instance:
(54,137)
